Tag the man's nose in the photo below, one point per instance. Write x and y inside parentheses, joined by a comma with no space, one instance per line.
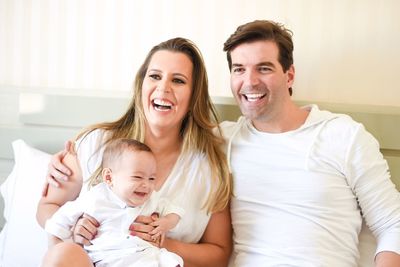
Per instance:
(251,78)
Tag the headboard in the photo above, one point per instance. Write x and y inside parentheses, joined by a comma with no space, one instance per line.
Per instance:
(47,120)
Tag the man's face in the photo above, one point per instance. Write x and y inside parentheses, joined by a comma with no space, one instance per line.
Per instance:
(258,82)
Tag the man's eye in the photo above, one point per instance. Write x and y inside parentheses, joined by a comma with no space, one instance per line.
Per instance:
(237,70)
(265,69)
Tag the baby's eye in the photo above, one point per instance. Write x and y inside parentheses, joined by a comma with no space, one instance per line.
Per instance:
(152,178)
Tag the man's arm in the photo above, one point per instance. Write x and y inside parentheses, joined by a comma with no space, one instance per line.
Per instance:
(377,196)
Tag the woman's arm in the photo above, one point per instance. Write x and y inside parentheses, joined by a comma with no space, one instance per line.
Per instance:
(214,248)
(67,190)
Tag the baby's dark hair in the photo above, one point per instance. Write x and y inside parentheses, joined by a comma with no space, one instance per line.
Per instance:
(113,152)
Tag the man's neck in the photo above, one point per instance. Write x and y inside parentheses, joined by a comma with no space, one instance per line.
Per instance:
(288,119)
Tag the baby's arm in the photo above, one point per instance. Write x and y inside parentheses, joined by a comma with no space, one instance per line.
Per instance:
(164,224)
(59,226)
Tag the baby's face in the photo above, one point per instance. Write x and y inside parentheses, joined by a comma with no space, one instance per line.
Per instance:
(135,178)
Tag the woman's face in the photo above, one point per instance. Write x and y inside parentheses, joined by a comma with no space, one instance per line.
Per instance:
(167,88)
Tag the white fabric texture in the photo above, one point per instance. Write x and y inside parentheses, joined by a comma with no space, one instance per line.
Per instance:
(112,240)
(22,241)
(151,257)
(187,185)
(298,195)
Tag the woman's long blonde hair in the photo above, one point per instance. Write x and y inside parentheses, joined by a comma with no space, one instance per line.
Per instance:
(197,126)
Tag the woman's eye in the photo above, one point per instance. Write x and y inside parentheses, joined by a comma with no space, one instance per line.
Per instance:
(155,76)
(178,81)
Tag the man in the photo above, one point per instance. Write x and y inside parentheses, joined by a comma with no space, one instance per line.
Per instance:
(303,177)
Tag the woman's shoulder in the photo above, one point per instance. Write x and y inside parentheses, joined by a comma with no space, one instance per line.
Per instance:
(89,149)
(90,137)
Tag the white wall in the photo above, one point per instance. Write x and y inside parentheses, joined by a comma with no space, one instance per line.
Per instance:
(345,50)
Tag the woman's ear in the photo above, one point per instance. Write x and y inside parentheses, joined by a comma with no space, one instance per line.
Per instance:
(106,173)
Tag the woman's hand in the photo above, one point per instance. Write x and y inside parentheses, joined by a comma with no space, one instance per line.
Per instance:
(85,230)
(142,227)
(56,169)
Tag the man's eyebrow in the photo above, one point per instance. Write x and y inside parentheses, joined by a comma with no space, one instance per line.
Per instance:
(266,63)
(237,65)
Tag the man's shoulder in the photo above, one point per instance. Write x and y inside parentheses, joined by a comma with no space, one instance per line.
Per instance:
(343,121)
(341,127)
(337,120)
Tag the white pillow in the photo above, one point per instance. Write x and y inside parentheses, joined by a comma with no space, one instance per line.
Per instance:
(22,240)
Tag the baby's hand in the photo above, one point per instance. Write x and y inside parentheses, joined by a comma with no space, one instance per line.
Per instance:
(163,225)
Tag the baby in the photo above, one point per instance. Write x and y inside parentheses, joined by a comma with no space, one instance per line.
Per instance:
(128,173)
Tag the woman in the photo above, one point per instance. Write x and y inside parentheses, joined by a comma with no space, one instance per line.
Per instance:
(171,112)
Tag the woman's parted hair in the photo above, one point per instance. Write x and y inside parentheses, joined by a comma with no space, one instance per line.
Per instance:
(196,129)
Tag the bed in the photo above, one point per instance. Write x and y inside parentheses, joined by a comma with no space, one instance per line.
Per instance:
(45,120)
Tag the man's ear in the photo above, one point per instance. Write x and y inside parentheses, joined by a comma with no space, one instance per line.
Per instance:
(290,75)
(106,173)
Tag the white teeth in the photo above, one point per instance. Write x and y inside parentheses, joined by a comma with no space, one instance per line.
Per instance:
(253,97)
(161,102)
(162,105)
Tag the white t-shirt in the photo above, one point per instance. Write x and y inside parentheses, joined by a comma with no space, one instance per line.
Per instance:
(187,185)
(298,195)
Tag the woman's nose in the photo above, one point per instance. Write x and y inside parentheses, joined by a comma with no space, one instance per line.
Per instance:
(164,86)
